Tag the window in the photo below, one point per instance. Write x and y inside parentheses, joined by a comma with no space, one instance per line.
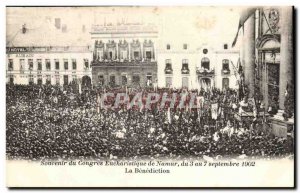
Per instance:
(86,63)
(205,63)
(136,79)
(57,79)
(185,66)
(124,54)
(10,64)
(30,63)
(48,64)
(101,79)
(185,61)
(225,83)
(74,64)
(22,64)
(39,80)
(225,65)
(64,28)
(124,80)
(66,80)
(168,69)
(48,79)
(185,82)
(66,65)
(168,82)
(148,55)
(205,51)
(149,78)
(74,78)
(11,79)
(136,55)
(225,46)
(57,23)
(39,62)
(112,80)
(100,54)
(185,46)
(168,47)
(31,80)
(110,55)
(56,64)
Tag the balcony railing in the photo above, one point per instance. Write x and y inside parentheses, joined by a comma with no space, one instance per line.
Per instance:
(185,71)
(205,72)
(168,71)
(124,63)
(225,72)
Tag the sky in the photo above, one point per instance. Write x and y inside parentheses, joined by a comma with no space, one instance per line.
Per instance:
(196,25)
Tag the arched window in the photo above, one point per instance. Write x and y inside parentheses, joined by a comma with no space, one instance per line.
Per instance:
(205,63)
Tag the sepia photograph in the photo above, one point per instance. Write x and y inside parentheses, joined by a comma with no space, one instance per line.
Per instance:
(153,96)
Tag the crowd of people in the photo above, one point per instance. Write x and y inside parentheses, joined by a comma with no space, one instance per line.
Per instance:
(49,122)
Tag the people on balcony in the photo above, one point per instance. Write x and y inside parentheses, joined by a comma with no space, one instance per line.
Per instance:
(225,66)
(123,53)
(168,69)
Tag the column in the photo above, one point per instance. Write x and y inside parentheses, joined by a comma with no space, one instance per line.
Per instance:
(286,53)
(129,50)
(249,53)
(143,51)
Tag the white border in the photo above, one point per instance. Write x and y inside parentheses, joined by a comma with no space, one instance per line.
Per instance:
(4,3)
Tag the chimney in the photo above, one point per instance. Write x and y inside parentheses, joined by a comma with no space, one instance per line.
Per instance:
(57,23)
(24,29)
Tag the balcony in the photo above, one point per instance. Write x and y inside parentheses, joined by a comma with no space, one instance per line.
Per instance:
(168,71)
(185,71)
(225,72)
(205,72)
(119,63)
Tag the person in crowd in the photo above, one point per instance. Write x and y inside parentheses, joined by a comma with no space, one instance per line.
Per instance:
(51,122)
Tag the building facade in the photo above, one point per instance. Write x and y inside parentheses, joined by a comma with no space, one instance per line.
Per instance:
(267,52)
(48,65)
(201,67)
(48,54)
(124,54)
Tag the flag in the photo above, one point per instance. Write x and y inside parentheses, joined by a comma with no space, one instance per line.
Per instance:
(245,14)
(169,115)
(79,87)
(214,111)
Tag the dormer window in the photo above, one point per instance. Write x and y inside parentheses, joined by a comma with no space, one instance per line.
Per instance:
(168,47)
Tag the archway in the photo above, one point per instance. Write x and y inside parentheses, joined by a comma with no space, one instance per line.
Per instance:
(205,83)
(86,81)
